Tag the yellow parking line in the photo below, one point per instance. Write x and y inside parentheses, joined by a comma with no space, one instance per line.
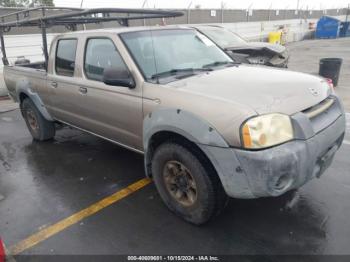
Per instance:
(73,219)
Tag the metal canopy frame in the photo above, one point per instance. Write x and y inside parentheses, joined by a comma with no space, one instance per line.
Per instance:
(70,18)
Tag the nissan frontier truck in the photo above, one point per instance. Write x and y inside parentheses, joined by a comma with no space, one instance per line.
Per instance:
(208,128)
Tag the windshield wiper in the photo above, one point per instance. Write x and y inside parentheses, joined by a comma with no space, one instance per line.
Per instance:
(220,63)
(180,71)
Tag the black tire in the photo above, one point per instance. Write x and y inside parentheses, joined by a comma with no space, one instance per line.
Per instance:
(40,128)
(210,195)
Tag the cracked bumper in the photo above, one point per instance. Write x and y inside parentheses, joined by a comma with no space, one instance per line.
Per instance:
(272,172)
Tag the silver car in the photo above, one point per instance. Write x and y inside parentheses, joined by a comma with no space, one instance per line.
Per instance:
(257,53)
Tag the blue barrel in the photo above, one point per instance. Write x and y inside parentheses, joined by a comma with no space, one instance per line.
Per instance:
(327,27)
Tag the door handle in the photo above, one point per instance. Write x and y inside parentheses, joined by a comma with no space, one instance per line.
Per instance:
(54,84)
(83,90)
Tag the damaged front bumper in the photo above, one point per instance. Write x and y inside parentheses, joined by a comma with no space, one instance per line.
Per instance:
(280,61)
(265,57)
(274,171)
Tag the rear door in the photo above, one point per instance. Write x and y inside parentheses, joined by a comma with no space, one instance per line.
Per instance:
(65,96)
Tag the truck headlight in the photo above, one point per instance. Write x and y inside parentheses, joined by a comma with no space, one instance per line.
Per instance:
(266,131)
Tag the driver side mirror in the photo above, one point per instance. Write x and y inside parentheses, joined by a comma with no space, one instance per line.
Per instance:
(118,77)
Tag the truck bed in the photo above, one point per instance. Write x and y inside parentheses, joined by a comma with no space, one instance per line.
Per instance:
(32,76)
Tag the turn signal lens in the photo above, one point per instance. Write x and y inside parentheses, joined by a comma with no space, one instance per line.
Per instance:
(331,85)
(266,131)
(246,136)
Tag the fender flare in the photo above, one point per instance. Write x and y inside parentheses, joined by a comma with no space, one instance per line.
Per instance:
(25,87)
(207,138)
(182,123)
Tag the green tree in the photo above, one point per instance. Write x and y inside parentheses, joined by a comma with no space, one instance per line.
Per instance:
(42,3)
(26,3)
(14,3)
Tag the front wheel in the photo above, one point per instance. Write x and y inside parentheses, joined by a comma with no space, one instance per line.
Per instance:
(189,187)
(40,128)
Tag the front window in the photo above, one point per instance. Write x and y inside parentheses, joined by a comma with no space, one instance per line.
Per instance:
(223,37)
(173,50)
(100,54)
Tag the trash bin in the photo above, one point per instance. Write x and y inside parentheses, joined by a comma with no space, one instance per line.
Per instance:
(330,68)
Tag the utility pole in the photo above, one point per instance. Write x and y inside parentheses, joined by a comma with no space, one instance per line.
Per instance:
(189,13)
(222,11)
(285,12)
(248,11)
(298,9)
(81,6)
(143,6)
(269,16)
(347,13)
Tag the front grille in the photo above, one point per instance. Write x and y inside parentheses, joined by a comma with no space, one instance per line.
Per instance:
(319,108)
(323,114)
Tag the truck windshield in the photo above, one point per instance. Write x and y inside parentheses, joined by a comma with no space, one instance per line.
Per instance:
(173,52)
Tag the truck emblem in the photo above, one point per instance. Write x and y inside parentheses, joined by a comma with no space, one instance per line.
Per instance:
(313,91)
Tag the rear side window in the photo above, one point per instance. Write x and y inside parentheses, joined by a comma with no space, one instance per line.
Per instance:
(65,57)
(101,53)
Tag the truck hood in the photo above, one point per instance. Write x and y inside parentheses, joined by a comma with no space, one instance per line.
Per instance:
(264,90)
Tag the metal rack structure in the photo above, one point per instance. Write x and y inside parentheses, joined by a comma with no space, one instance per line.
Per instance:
(70,18)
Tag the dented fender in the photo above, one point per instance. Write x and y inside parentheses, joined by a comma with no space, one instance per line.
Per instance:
(207,139)
(183,123)
(24,87)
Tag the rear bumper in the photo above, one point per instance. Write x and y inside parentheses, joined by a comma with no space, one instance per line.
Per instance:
(274,171)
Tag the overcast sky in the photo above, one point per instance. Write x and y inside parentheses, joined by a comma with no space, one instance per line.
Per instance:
(239,4)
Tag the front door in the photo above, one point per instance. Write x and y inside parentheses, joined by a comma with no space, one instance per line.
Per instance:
(114,112)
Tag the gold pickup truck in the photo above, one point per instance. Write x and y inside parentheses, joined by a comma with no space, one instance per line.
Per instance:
(208,127)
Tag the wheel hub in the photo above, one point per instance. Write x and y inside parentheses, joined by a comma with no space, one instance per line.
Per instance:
(180,183)
(33,123)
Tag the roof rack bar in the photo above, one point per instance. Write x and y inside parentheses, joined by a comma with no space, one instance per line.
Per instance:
(81,14)
(72,17)
(26,11)
(3,50)
(73,20)
(44,38)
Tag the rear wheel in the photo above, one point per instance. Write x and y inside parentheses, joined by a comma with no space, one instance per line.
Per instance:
(40,128)
(189,187)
